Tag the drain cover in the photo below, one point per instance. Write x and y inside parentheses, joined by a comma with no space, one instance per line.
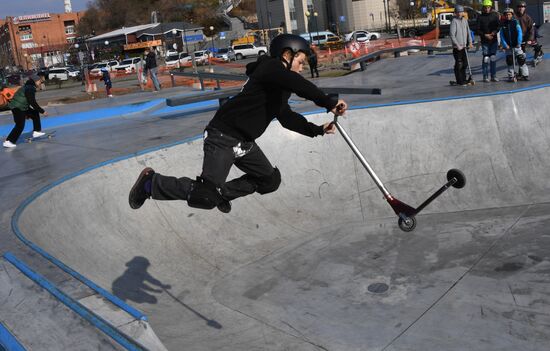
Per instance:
(378,288)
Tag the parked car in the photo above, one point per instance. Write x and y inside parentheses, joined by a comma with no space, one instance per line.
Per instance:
(202,56)
(362,36)
(318,38)
(178,59)
(334,43)
(63,73)
(246,50)
(128,65)
(226,54)
(111,65)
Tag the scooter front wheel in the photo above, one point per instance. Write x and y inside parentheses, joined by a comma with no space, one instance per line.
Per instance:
(407,224)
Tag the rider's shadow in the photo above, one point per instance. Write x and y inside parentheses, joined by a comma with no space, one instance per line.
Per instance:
(136,283)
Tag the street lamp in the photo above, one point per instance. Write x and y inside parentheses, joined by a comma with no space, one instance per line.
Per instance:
(413,11)
(174,33)
(308,15)
(308,26)
(212,37)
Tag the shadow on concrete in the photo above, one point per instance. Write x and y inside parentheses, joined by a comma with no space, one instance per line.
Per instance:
(209,322)
(132,285)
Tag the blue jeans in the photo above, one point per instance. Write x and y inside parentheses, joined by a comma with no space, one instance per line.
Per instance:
(489,52)
(153,72)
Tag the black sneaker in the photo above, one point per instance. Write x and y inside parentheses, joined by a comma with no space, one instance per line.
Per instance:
(138,194)
(224,206)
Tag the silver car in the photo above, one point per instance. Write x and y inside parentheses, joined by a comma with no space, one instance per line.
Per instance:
(226,54)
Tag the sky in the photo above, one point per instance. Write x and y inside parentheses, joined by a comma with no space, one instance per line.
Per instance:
(31,7)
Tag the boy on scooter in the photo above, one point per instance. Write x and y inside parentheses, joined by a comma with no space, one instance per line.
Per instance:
(229,138)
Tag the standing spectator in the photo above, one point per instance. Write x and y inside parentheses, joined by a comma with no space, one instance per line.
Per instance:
(461,39)
(528,29)
(488,24)
(106,78)
(151,67)
(23,105)
(312,60)
(511,37)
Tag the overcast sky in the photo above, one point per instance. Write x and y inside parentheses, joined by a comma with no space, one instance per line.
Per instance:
(31,7)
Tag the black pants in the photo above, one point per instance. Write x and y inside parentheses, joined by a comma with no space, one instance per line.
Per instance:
(221,151)
(461,64)
(19,119)
(313,68)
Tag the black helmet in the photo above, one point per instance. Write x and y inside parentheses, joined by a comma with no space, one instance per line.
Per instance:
(288,41)
(522,4)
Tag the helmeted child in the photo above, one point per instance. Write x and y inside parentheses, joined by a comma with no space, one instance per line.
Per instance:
(23,105)
(528,29)
(510,38)
(488,25)
(462,41)
(230,137)
(106,78)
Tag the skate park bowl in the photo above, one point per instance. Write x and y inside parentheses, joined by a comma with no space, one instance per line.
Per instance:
(321,264)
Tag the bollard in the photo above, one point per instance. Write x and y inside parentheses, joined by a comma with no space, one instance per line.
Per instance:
(173,80)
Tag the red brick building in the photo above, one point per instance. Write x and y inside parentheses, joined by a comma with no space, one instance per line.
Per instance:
(37,40)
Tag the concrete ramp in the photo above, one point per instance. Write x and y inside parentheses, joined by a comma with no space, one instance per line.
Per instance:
(321,264)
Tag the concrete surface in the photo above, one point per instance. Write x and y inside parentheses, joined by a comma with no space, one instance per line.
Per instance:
(292,270)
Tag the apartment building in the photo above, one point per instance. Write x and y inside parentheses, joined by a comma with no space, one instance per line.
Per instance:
(33,41)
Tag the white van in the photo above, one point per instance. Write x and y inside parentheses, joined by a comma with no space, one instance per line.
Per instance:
(318,38)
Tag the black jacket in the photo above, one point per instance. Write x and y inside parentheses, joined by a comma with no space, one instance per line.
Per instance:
(150,61)
(265,96)
(488,23)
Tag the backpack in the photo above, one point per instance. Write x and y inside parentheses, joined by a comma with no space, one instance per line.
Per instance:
(6,95)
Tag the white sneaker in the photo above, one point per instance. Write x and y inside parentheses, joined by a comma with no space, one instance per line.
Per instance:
(37,134)
(9,144)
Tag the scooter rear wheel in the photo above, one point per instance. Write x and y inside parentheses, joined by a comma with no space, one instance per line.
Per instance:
(408,224)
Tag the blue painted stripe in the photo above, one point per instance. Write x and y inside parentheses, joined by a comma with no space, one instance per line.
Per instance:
(86,116)
(77,307)
(113,299)
(8,341)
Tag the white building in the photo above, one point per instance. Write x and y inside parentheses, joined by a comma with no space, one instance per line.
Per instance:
(301,16)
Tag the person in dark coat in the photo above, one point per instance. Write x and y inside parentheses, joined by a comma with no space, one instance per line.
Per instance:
(312,61)
(23,105)
(106,78)
(151,67)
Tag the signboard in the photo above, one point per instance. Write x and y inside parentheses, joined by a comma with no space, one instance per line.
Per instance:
(507,2)
(32,18)
(424,10)
(342,19)
(222,35)
(142,44)
(194,38)
(546,10)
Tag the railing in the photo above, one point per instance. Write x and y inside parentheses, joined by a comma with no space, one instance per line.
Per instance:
(364,60)
(225,94)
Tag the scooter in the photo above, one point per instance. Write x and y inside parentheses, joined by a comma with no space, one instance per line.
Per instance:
(406,213)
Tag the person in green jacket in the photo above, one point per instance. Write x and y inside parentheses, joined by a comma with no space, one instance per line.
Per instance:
(23,106)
